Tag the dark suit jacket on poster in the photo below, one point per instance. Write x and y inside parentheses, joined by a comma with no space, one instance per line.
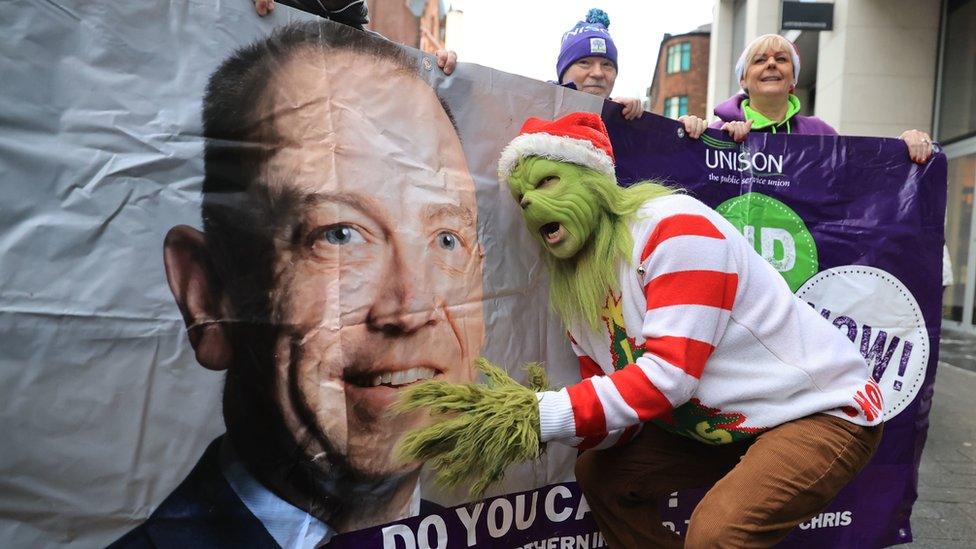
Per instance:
(204,511)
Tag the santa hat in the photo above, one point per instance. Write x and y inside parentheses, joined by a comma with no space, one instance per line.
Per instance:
(578,138)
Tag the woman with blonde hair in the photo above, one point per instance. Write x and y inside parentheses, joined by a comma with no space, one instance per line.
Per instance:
(768,70)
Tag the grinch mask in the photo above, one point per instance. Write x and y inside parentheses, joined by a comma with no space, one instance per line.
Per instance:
(558,208)
(581,217)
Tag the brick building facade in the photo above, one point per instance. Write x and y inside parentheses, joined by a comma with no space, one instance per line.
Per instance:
(432,22)
(415,23)
(680,83)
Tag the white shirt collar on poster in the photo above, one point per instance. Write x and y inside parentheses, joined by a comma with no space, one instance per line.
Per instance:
(291,527)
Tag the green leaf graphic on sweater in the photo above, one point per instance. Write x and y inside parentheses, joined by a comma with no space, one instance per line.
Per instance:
(708,425)
(623,349)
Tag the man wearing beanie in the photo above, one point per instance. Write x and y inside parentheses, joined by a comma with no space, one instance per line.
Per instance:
(588,60)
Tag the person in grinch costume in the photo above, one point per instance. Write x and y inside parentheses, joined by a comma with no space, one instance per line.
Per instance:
(699,365)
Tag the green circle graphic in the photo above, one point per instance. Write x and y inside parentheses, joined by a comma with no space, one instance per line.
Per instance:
(777,234)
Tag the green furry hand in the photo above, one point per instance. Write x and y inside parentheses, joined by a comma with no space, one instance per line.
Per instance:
(487,427)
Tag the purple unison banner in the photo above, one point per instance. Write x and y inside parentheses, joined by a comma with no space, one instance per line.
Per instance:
(856,229)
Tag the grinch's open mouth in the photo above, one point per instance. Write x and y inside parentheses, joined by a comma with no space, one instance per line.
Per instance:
(553,233)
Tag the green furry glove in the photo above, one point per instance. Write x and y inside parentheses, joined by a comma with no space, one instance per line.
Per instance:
(487,427)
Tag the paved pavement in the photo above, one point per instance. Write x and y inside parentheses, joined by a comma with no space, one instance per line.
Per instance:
(944,517)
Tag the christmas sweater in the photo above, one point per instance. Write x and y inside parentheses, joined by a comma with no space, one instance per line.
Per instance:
(704,338)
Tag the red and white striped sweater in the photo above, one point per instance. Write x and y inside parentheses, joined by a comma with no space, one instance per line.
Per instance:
(705,339)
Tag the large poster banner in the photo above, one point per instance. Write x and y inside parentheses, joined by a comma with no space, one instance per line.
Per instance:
(227,242)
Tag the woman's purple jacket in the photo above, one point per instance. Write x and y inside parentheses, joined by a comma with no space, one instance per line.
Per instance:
(731,109)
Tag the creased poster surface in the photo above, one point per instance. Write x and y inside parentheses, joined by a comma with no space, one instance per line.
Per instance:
(356,240)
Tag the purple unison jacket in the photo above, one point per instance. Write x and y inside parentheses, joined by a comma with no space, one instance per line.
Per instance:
(731,109)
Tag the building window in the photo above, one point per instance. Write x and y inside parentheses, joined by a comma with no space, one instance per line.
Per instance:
(957,108)
(956,123)
(679,57)
(676,106)
(958,234)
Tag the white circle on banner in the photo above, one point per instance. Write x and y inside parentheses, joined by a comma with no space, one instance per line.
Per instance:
(873,308)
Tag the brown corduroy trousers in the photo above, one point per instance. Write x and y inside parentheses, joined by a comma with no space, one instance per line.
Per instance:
(762,488)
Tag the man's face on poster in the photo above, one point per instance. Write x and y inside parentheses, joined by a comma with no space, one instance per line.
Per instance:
(376,282)
(380,286)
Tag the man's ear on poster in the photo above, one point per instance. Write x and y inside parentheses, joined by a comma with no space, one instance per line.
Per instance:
(187,272)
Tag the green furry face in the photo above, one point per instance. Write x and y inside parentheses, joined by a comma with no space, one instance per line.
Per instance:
(558,207)
(582,219)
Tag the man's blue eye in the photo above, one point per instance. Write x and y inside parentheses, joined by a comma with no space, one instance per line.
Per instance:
(447,240)
(341,235)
